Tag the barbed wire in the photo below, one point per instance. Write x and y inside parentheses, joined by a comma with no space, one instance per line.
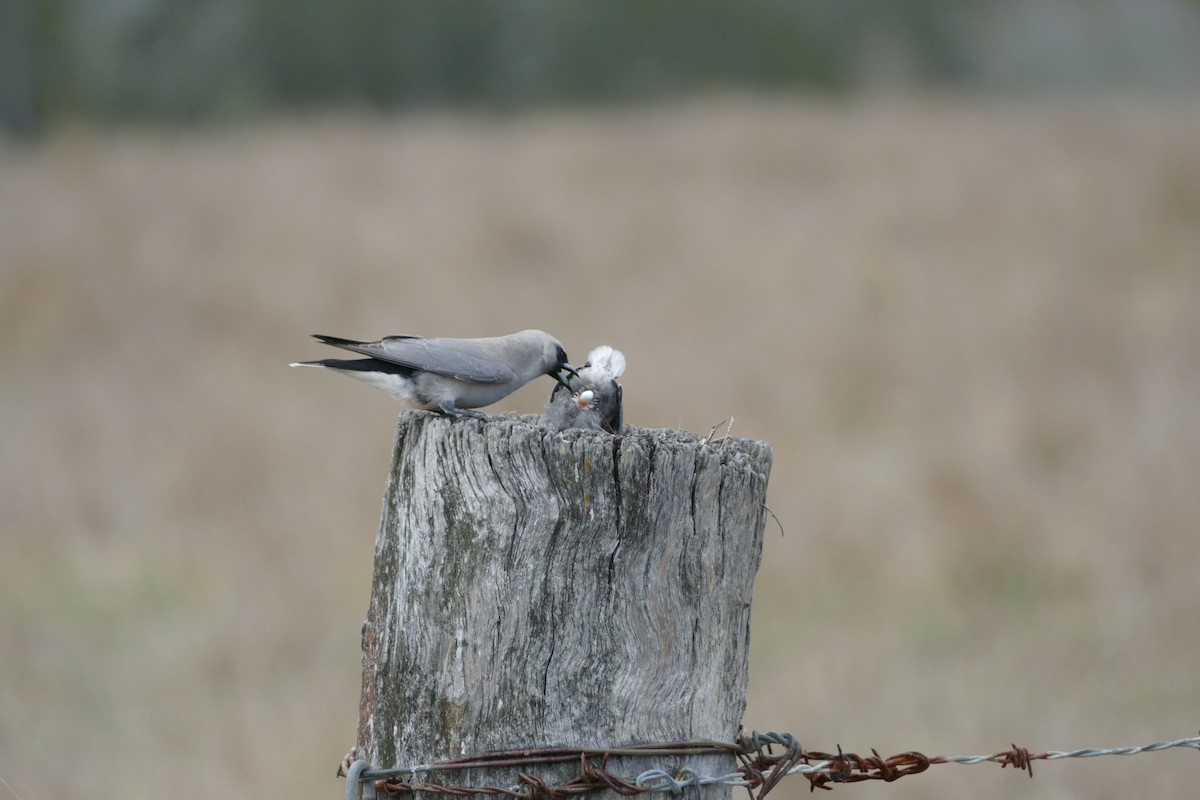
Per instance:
(761,767)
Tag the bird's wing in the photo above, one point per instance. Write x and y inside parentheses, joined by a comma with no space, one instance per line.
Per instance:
(461,359)
(613,410)
(607,360)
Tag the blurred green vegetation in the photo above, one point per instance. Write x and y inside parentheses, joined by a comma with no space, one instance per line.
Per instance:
(200,60)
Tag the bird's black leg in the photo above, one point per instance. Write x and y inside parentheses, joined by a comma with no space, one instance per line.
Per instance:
(448,408)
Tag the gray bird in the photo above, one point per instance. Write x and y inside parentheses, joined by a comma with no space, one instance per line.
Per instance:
(591,399)
(450,375)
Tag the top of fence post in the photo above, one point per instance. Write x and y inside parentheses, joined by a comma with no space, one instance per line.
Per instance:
(539,588)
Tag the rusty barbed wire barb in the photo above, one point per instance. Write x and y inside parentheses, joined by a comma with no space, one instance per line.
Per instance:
(604,777)
(1018,757)
(845,767)
(760,767)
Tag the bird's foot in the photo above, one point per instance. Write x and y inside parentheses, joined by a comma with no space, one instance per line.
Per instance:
(452,411)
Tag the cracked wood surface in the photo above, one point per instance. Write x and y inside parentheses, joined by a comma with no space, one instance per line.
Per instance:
(539,588)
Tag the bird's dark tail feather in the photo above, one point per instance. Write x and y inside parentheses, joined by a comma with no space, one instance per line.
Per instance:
(358,365)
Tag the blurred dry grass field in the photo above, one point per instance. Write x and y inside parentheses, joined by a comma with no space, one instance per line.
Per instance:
(971,332)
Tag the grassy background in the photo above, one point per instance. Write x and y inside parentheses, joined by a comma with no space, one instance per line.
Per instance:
(970,330)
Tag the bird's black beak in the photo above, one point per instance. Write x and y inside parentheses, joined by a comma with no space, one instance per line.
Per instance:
(558,376)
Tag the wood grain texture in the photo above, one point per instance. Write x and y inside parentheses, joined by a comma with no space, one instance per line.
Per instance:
(538,588)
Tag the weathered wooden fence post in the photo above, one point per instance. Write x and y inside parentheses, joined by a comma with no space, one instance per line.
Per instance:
(537,588)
